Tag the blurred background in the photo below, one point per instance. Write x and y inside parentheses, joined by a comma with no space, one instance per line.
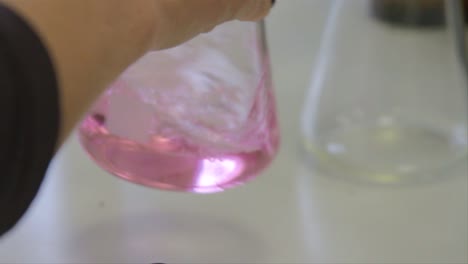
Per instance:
(293,213)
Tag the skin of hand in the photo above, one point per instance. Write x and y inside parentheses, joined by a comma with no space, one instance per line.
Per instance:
(92,41)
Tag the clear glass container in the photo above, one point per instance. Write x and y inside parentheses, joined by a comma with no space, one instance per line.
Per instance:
(199,117)
(388,96)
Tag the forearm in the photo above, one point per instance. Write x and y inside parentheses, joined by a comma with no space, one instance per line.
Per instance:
(90,43)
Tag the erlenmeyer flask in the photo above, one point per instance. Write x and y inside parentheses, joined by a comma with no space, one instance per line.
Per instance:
(199,117)
(388,97)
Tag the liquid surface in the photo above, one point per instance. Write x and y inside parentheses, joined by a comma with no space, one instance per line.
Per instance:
(155,168)
(390,153)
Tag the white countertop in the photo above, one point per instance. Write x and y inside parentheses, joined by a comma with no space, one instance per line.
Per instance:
(290,214)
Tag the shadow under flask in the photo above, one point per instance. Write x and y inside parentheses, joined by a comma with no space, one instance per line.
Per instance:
(199,117)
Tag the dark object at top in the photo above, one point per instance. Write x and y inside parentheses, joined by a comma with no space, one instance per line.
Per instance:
(417,13)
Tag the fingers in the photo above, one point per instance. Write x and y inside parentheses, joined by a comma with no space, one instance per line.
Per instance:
(252,10)
(180,20)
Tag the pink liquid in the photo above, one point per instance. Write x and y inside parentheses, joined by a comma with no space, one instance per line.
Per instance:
(173,164)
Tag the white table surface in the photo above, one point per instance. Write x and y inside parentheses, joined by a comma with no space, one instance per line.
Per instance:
(290,214)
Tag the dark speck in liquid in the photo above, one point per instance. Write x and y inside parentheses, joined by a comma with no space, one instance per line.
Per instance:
(99,118)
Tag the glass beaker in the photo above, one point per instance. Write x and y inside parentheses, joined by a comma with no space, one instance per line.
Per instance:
(388,96)
(199,117)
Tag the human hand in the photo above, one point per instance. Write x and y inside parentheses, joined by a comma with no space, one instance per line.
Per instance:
(92,41)
(181,20)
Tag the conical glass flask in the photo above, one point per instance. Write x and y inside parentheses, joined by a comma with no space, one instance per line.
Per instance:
(199,117)
(388,96)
